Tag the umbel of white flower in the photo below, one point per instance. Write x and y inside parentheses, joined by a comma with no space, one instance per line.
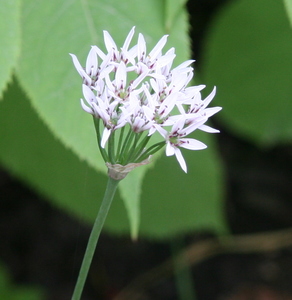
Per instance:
(133,94)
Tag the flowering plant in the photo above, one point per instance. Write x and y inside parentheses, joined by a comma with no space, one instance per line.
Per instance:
(139,94)
(132,95)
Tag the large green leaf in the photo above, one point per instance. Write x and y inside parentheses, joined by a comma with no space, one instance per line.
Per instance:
(10,39)
(248,56)
(48,76)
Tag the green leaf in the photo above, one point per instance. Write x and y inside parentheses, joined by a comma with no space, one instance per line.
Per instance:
(131,193)
(47,74)
(10,39)
(172,10)
(288,5)
(248,57)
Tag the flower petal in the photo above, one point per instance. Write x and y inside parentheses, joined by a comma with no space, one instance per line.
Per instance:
(192,144)
(91,63)
(157,48)
(141,48)
(105,136)
(180,159)
(209,129)
(85,107)
(210,97)
(88,94)
(212,111)
(169,150)
(128,39)
(79,68)
(109,42)
(121,76)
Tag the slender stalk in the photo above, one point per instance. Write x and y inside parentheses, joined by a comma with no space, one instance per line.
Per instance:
(111,148)
(126,146)
(120,142)
(150,151)
(139,148)
(133,148)
(125,142)
(95,233)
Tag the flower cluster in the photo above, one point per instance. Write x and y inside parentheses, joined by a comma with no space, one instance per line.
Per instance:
(128,88)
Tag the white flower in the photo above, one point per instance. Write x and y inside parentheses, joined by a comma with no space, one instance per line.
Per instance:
(128,87)
(92,73)
(198,107)
(154,58)
(117,56)
(176,139)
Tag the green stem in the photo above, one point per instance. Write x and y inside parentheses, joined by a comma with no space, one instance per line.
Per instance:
(153,149)
(133,148)
(97,227)
(120,142)
(126,146)
(140,148)
(111,148)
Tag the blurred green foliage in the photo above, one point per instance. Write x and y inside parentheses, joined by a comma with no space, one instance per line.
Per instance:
(288,4)
(13,292)
(248,56)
